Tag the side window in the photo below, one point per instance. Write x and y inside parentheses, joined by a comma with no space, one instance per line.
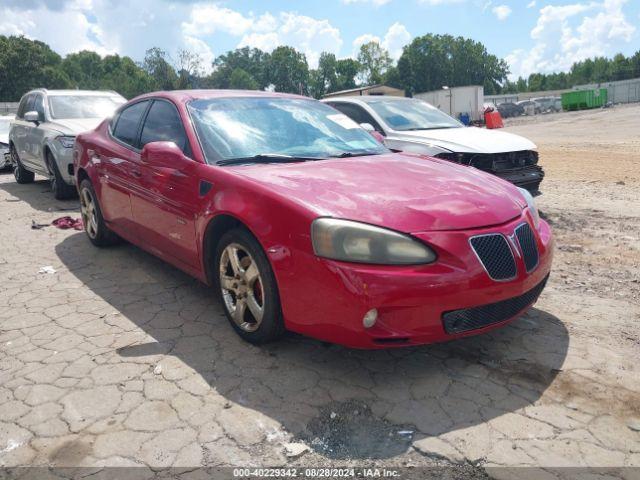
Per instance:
(38,106)
(25,105)
(126,129)
(357,114)
(163,124)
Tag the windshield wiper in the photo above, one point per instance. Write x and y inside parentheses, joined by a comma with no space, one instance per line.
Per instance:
(354,154)
(266,158)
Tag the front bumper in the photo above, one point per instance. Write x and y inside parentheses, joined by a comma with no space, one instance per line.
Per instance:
(526,177)
(64,159)
(330,301)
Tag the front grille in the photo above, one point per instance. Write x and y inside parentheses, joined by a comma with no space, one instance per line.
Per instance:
(495,255)
(528,246)
(495,162)
(458,321)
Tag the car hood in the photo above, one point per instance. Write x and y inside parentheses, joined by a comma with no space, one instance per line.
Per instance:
(404,192)
(469,140)
(74,126)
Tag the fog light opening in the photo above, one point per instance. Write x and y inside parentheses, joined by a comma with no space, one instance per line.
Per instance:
(370,318)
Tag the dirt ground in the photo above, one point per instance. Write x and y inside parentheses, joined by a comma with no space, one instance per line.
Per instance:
(117,359)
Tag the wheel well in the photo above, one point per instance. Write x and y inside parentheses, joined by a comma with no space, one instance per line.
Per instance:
(46,151)
(216,228)
(82,175)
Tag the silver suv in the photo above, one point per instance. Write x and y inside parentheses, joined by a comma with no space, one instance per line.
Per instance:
(42,135)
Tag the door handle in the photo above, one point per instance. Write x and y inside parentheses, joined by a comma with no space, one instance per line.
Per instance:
(136,173)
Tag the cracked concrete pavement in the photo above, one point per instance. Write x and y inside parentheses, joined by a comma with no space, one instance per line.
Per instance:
(118,359)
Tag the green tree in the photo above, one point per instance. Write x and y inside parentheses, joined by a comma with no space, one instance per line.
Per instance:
(241,79)
(251,60)
(125,77)
(444,60)
(287,70)
(374,62)
(84,69)
(346,71)
(157,65)
(26,64)
(189,69)
(324,79)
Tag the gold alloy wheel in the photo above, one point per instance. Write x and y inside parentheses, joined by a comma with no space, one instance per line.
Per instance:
(242,287)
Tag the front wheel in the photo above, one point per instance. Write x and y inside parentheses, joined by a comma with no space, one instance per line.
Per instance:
(94,225)
(247,288)
(21,174)
(61,189)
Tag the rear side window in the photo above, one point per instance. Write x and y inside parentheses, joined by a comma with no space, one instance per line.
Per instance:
(163,124)
(126,129)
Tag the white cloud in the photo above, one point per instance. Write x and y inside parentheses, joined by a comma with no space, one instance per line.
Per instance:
(206,19)
(569,33)
(531,4)
(306,34)
(501,12)
(66,30)
(396,37)
(435,3)
(201,48)
(376,3)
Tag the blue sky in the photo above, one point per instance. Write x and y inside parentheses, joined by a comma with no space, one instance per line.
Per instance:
(533,35)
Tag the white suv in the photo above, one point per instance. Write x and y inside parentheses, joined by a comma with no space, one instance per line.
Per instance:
(42,135)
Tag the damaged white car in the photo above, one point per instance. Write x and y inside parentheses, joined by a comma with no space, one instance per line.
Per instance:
(411,125)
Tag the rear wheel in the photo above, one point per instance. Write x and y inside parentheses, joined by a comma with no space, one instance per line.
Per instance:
(247,288)
(61,189)
(21,174)
(94,226)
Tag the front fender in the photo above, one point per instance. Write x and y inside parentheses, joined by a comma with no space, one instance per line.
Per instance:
(414,147)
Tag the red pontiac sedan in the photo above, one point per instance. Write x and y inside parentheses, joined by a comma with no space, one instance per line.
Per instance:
(301,221)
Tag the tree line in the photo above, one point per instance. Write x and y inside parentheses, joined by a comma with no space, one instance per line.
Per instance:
(427,63)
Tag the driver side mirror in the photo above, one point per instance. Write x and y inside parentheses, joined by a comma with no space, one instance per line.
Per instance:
(373,132)
(164,155)
(32,117)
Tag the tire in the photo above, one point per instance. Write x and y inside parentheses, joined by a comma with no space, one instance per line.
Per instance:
(242,294)
(61,189)
(93,221)
(21,174)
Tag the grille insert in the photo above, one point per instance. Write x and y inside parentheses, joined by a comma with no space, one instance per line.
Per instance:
(494,253)
(458,321)
(528,246)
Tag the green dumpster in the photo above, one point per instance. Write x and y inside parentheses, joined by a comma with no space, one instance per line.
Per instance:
(583,99)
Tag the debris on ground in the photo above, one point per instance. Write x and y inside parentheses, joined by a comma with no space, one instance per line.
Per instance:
(47,269)
(293,450)
(66,223)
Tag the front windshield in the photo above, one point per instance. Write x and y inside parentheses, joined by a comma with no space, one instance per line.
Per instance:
(406,115)
(83,106)
(244,127)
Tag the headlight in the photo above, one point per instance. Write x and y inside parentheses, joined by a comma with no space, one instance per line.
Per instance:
(362,243)
(67,142)
(532,206)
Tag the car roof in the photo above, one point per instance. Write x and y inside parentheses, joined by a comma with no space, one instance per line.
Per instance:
(368,98)
(88,93)
(184,96)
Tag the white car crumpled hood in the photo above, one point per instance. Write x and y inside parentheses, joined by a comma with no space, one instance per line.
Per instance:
(469,140)
(74,126)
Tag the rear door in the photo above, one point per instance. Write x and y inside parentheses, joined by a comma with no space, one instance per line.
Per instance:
(165,207)
(21,129)
(119,161)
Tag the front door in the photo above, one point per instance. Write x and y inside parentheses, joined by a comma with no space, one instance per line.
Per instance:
(117,166)
(165,207)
